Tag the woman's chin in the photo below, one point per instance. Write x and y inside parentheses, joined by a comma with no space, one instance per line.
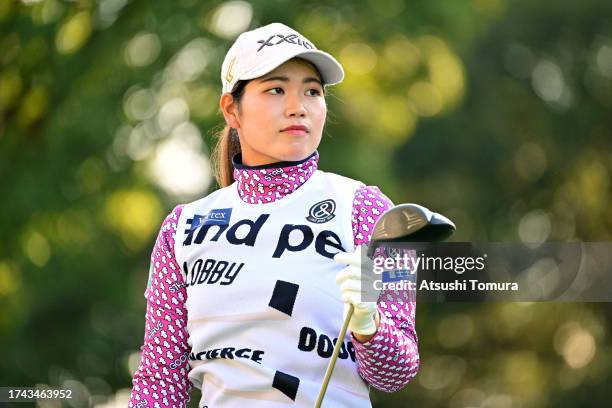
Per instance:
(297,155)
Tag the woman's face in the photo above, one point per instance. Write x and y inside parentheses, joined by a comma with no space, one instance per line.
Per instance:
(290,95)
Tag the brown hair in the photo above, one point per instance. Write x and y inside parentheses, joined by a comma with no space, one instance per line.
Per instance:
(227,145)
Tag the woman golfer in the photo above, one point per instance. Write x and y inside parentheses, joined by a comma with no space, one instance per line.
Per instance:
(245,299)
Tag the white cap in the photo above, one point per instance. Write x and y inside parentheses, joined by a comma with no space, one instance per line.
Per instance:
(259,51)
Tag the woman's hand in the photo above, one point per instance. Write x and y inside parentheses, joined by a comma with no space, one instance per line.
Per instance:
(364,322)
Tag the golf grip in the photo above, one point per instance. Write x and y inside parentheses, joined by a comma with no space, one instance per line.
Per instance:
(334,357)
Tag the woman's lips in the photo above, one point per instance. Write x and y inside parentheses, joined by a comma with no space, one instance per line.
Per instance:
(296,130)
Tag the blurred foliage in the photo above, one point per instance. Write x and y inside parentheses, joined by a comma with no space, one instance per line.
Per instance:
(494,112)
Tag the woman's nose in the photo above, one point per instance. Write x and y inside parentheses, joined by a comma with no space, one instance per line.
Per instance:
(295,106)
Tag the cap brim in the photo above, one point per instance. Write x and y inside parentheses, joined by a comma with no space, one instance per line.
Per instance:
(330,69)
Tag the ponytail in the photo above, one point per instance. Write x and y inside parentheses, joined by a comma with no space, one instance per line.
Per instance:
(228,145)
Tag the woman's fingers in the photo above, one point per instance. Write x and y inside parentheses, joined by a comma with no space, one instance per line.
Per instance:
(350,285)
(356,273)
(348,273)
(349,258)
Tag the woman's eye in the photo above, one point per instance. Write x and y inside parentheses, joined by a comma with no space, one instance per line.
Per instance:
(278,91)
(275,91)
(314,92)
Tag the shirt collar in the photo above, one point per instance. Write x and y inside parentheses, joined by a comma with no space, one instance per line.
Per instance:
(271,182)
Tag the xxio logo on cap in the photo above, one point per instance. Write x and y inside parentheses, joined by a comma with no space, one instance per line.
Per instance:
(322,211)
(291,39)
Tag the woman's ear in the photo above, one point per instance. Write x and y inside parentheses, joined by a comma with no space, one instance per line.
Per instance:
(229,110)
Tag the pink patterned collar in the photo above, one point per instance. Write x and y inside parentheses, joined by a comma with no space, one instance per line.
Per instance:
(271,182)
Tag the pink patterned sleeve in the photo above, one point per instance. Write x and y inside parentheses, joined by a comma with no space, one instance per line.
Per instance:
(391,358)
(161,378)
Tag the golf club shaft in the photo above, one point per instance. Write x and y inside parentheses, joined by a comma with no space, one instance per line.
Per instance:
(395,225)
(334,357)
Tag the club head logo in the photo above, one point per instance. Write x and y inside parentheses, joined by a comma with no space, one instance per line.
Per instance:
(392,252)
(322,211)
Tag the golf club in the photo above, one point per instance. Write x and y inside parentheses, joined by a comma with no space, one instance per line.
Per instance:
(402,223)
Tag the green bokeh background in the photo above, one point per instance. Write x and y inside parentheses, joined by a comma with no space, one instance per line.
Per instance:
(496,113)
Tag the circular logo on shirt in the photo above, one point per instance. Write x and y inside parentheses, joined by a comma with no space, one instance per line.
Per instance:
(322,211)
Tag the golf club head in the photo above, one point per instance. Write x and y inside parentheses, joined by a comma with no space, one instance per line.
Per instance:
(410,223)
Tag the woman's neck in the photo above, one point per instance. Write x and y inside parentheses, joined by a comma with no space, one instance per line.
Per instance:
(270,182)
